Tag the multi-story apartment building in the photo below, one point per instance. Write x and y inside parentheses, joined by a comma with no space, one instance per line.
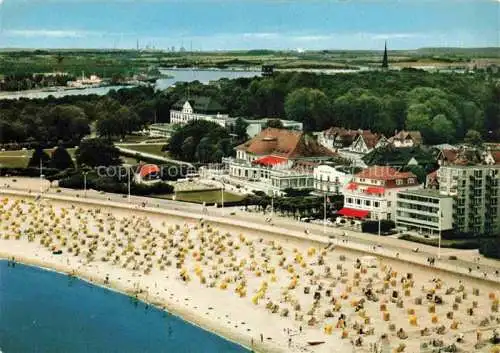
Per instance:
(476,193)
(372,192)
(425,211)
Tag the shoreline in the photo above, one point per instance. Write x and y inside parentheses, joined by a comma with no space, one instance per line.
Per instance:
(270,230)
(193,303)
(169,308)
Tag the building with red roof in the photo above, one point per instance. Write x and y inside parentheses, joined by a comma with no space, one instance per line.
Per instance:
(372,192)
(148,173)
(279,158)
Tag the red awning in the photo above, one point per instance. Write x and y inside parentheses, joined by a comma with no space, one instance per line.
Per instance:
(375,190)
(270,160)
(351,212)
(352,186)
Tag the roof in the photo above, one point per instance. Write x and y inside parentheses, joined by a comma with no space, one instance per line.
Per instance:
(285,143)
(200,105)
(416,136)
(351,212)
(342,132)
(496,156)
(270,160)
(148,169)
(426,193)
(375,190)
(383,173)
(371,139)
(449,155)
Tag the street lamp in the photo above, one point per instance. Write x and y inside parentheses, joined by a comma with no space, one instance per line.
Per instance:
(324,215)
(222,196)
(128,174)
(41,177)
(272,203)
(439,240)
(85,184)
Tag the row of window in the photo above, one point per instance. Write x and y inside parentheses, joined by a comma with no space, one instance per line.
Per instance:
(382,182)
(418,207)
(336,179)
(418,216)
(418,198)
(360,202)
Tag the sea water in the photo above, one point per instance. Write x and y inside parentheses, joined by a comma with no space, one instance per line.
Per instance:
(46,312)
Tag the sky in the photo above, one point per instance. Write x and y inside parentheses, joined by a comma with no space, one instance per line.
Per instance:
(249,24)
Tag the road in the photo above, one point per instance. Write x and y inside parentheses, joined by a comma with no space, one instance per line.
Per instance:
(389,246)
(152,156)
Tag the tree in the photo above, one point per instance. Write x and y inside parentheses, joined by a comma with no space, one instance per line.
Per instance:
(240,129)
(185,141)
(67,123)
(442,130)
(274,123)
(188,148)
(205,150)
(473,138)
(309,106)
(61,159)
(39,155)
(97,152)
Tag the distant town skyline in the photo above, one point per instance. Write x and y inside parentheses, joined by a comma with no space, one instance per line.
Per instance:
(243,24)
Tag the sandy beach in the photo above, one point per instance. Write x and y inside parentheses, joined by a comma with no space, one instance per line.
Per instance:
(267,291)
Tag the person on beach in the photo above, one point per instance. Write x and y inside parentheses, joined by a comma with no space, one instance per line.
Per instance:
(261,338)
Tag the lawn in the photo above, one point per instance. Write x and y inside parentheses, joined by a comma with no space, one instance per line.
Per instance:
(19,158)
(210,196)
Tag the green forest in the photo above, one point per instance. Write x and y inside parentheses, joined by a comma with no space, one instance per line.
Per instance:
(443,106)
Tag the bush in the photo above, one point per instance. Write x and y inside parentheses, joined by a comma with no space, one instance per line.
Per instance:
(109,184)
(372,226)
(490,247)
(28,172)
(290,192)
(445,243)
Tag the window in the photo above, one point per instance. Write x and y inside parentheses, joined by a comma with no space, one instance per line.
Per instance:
(376,204)
(411,181)
(358,202)
(399,182)
(388,203)
(367,202)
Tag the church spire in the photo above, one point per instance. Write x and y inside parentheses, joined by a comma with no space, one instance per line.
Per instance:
(385,61)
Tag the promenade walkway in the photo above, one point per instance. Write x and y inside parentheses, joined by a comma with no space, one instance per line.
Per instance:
(367,243)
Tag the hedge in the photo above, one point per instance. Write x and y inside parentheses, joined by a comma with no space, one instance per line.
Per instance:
(372,226)
(28,172)
(108,184)
(445,243)
(490,247)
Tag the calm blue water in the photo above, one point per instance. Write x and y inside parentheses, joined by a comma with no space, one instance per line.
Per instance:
(179,75)
(46,312)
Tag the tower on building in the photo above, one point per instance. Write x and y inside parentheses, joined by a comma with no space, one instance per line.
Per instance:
(385,60)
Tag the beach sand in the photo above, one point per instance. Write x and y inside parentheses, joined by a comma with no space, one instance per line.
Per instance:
(269,292)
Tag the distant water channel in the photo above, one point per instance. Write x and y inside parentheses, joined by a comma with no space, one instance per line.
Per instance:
(178,75)
(46,312)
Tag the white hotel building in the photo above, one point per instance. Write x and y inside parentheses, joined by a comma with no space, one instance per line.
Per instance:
(187,114)
(372,193)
